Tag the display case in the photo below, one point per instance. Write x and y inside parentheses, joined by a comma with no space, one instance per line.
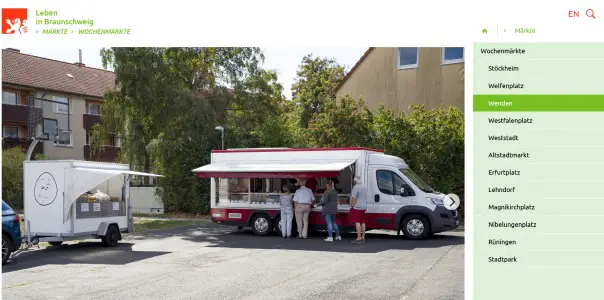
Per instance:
(86,209)
(265,192)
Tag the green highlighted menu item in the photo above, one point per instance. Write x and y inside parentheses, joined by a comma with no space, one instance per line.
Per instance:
(538,171)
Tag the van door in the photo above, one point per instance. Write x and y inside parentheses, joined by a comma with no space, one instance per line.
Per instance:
(385,198)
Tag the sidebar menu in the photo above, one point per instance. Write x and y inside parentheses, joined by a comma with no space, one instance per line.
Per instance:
(538,171)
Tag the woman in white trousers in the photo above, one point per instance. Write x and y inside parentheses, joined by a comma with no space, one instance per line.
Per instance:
(287,212)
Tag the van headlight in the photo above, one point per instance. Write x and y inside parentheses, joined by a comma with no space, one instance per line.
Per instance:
(436,201)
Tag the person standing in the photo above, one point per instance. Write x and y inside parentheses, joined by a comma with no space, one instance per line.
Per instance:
(358,206)
(303,199)
(287,212)
(329,204)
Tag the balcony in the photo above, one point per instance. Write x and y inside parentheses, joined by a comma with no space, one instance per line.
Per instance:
(17,113)
(108,154)
(8,143)
(89,120)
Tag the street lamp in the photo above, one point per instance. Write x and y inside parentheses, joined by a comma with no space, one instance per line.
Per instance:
(221,129)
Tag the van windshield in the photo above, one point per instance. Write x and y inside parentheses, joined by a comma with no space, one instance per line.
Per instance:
(418,181)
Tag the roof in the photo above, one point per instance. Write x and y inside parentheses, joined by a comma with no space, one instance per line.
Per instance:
(292,149)
(48,74)
(354,68)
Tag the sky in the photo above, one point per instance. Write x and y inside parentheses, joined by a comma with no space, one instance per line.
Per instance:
(284,60)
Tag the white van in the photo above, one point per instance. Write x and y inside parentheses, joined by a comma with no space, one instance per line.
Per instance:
(245,186)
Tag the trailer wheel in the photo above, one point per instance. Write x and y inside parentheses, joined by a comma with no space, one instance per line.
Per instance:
(415,227)
(262,224)
(112,236)
(7,248)
(57,243)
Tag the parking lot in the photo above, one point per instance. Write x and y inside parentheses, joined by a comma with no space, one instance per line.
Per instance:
(216,262)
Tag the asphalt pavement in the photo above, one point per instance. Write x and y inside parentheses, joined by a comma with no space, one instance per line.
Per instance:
(210,261)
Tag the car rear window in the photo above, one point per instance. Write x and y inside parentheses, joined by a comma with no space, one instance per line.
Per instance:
(6,210)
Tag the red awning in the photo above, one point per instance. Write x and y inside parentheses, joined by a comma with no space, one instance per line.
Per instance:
(272,169)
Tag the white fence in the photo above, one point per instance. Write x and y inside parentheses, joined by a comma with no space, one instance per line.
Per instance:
(144,200)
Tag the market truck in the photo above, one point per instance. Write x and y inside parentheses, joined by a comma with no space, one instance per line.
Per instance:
(245,187)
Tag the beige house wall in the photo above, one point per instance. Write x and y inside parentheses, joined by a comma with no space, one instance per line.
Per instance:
(377,79)
(78,134)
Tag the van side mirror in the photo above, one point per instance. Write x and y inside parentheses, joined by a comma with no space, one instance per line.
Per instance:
(406,191)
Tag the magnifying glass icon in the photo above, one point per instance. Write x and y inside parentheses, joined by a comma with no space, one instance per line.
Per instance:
(590,13)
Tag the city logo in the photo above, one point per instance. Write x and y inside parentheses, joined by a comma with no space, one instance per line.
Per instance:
(14,20)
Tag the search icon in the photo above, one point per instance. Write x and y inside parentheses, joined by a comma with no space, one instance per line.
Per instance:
(590,13)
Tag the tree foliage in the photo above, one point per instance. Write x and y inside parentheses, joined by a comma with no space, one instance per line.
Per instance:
(343,122)
(12,175)
(315,85)
(167,103)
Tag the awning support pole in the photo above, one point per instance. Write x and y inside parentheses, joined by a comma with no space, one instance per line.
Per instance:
(126,195)
(31,148)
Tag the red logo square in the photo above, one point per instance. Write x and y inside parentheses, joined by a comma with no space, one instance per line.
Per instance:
(14,20)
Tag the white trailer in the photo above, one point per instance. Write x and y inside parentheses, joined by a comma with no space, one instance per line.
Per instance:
(57,207)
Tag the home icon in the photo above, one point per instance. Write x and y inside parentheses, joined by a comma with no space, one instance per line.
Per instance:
(484,31)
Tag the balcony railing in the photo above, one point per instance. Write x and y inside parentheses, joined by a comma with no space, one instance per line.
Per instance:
(89,120)
(108,154)
(8,143)
(18,113)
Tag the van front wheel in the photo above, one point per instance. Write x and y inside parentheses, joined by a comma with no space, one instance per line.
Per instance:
(415,227)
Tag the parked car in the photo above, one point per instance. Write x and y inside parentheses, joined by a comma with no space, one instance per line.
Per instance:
(11,231)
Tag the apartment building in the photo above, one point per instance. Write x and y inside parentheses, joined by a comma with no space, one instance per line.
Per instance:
(399,77)
(67,125)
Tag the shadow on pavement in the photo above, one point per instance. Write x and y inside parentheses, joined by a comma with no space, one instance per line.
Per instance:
(375,242)
(212,235)
(79,253)
(229,237)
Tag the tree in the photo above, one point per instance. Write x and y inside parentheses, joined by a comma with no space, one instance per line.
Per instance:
(167,103)
(316,82)
(344,122)
(12,175)
(254,117)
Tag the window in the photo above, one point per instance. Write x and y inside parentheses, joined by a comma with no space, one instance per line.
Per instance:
(50,127)
(9,98)
(389,182)
(452,55)
(94,109)
(407,57)
(11,132)
(61,108)
(258,185)
(237,190)
(419,182)
(63,138)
